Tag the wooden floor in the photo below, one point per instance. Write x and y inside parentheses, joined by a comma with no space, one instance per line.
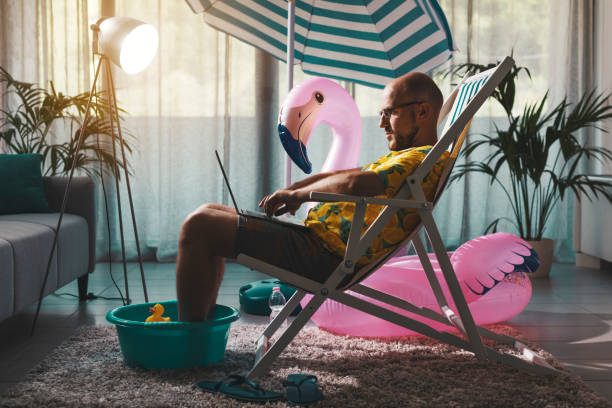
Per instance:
(570,315)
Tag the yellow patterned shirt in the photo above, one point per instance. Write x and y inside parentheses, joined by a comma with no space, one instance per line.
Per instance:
(332,221)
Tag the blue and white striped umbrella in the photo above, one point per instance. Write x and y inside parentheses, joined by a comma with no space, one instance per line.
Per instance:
(363,41)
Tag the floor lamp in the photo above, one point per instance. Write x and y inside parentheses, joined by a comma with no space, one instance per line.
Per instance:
(131,45)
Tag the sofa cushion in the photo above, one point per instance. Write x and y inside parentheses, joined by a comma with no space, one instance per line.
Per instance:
(7,285)
(31,245)
(21,185)
(72,246)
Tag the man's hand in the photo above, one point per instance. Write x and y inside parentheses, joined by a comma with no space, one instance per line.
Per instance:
(281,202)
(353,182)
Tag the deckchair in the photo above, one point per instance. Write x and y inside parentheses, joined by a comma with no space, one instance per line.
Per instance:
(460,107)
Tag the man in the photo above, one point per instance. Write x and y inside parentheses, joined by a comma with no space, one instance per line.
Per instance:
(411,105)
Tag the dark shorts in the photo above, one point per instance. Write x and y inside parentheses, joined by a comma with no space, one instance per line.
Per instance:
(296,249)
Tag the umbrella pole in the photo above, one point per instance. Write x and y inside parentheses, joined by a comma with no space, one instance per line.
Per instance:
(290,47)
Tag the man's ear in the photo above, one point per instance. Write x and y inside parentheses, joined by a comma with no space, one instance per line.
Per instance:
(424,111)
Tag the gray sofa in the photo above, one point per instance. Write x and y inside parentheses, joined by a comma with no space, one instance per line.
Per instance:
(26,241)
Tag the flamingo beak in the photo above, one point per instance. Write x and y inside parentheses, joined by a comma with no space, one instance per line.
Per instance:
(295,149)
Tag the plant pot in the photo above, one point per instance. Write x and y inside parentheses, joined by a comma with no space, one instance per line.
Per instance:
(544,249)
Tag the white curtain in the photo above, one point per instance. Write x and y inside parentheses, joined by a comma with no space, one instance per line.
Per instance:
(44,40)
(203,91)
(485,31)
(580,63)
(206,91)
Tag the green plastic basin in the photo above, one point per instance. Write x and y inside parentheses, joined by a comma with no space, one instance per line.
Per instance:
(170,345)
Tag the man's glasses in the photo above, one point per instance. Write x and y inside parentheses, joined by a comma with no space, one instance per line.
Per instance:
(386,113)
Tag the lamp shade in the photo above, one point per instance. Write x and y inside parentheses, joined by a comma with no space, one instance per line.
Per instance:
(129,43)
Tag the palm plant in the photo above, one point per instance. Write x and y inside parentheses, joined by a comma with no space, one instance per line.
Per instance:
(541,153)
(28,127)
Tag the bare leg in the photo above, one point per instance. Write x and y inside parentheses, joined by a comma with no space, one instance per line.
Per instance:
(220,269)
(208,235)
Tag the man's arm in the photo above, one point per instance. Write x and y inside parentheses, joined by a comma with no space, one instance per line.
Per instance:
(316,177)
(352,182)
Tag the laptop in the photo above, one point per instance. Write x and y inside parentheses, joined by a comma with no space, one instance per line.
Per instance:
(283,219)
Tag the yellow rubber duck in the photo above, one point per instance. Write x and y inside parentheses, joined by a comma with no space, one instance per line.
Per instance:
(158,311)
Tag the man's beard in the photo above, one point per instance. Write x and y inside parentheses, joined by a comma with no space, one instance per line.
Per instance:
(403,142)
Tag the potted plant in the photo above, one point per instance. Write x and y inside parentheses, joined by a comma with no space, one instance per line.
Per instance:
(542,155)
(29,122)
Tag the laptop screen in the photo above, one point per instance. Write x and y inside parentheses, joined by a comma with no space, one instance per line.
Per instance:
(227,182)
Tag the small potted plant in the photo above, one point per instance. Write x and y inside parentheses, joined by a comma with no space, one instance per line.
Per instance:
(542,155)
(27,125)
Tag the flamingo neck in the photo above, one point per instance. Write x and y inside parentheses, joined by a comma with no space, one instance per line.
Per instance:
(344,150)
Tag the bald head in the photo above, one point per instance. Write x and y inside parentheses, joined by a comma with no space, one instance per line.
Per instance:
(417,86)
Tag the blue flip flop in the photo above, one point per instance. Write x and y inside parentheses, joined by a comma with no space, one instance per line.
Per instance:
(302,389)
(240,388)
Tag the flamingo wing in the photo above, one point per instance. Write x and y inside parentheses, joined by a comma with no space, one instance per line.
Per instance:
(484,262)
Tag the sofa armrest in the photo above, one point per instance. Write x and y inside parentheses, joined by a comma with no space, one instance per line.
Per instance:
(81,201)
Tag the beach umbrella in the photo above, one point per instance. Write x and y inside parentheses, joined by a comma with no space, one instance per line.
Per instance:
(368,42)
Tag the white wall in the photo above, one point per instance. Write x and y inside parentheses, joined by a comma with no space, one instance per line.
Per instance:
(603,69)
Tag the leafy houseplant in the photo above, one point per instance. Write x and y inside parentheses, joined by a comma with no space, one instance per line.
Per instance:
(28,124)
(542,155)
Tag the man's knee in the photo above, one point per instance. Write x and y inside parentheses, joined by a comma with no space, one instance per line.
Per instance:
(205,208)
(197,226)
(210,229)
(215,207)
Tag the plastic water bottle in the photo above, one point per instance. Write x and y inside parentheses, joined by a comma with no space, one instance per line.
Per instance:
(276,301)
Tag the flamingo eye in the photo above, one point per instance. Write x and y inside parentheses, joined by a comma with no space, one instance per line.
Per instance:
(319,97)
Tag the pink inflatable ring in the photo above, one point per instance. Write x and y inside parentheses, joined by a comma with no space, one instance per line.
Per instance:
(492,271)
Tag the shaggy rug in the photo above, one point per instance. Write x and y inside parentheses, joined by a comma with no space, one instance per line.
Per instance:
(88,370)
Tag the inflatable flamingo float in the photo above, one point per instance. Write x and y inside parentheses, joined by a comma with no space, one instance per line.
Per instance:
(319,100)
(492,270)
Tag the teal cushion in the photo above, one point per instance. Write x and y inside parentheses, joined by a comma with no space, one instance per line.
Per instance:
(21,185)
(254,296)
